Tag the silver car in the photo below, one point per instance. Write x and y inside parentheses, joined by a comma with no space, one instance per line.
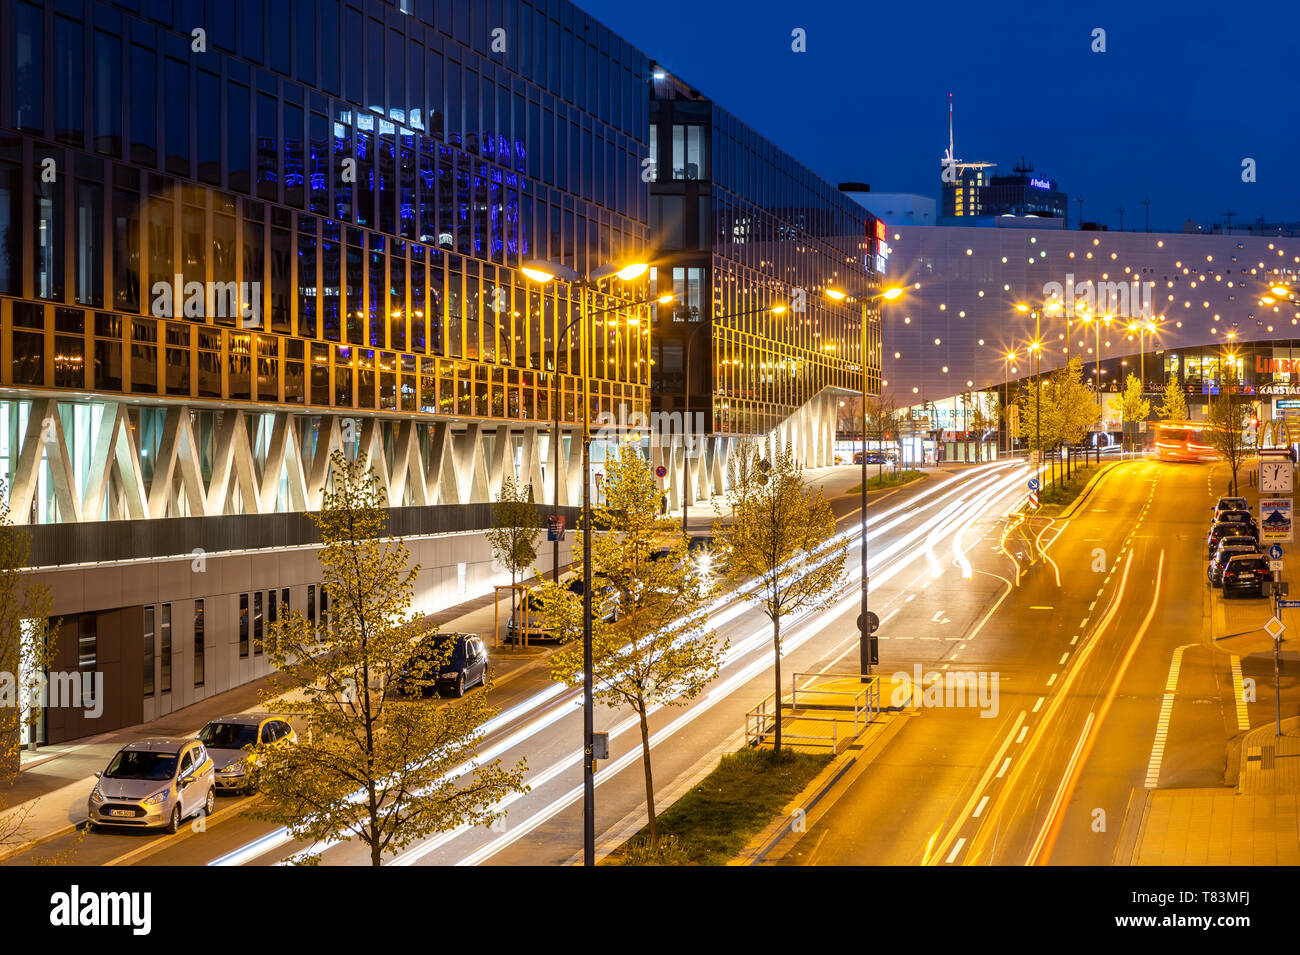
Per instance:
(154,783)
(229,739)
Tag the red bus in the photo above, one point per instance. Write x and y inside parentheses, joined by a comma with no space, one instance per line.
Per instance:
(1184,441)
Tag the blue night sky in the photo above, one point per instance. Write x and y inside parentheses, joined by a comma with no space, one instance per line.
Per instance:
(1184,92)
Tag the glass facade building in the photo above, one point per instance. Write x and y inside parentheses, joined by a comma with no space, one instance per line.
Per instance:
(742,227)
(368,175)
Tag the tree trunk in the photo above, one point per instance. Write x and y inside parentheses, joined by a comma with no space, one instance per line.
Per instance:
(649,779)
(776,644)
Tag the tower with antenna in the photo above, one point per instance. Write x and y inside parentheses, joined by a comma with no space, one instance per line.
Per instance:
(962,183)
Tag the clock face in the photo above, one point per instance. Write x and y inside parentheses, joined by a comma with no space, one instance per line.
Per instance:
(1275,476)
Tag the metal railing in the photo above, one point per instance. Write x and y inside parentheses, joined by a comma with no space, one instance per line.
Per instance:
(820,723)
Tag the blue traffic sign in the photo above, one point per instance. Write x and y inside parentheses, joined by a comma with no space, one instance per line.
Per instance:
(1034,484)
(1289,604)
(1275,552)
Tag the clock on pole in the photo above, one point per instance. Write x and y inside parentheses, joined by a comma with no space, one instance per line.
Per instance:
(1276,476)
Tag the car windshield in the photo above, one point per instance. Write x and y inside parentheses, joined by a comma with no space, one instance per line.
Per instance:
(1242,516)
(138,764)
(1228,530)
(228,735)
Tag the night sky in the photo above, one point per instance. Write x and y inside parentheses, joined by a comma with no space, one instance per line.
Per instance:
(1184,92)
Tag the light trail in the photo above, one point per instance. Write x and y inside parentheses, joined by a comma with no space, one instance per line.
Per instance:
(992,482)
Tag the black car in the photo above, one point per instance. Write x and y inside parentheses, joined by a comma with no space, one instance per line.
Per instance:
(1228,547)
(446,662)
(1224,529)
(1246,574)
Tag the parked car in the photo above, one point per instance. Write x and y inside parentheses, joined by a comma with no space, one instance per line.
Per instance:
(1247,575)
(229,739)
(1238,517)
(1224,529)
(445,662)
(1228,547)
(1229,504)
(153,783)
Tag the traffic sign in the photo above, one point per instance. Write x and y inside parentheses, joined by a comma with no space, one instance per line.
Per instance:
(661,471)
(1289,604)
(1274,628)
(1034,484)
(1275,566)
(872,620)
(1033,499)
(1275,552)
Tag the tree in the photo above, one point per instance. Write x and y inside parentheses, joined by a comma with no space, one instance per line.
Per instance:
(1173,403)
(775,543)
(368,765)
(660,652)
(513,536)
(1132,406)
(1228,415)
(27,642)
(882,422)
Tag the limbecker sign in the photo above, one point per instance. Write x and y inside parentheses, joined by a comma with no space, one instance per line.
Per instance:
(1276,366)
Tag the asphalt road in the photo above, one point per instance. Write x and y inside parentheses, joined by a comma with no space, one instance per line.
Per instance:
(920,538)
(1108,684)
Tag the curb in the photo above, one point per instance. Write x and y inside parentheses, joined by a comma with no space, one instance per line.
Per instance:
(814,801)
(1087,491)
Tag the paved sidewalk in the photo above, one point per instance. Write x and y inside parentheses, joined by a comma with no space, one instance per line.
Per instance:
(54,782)
(1258,823)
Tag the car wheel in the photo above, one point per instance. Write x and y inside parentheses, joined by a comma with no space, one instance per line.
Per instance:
(174,826)
(460,685)
(482,679)
(210,804)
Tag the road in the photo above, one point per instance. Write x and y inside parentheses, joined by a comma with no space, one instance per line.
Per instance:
(923,537)
(1109,684)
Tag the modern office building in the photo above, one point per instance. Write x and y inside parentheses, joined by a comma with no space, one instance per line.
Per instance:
(743,229)
(235,237)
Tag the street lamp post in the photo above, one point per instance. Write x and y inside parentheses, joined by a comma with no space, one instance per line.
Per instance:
(864,620)
(1006,395)
(543,272)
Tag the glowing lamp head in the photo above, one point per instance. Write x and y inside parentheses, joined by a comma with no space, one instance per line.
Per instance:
(837,295)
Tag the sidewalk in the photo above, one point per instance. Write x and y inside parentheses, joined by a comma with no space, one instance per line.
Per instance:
(1258,823)
(54,782)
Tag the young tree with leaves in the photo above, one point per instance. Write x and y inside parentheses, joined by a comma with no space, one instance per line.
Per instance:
(368,765)
(1228,416)
(27,640)
(513,535)
(775,542)
(660,652)
(1132,406)
(1173,403)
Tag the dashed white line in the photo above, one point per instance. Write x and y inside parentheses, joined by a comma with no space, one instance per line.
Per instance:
(1005,763)
(1037,705)
(980,808)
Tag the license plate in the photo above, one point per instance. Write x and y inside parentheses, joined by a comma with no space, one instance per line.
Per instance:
(130,813)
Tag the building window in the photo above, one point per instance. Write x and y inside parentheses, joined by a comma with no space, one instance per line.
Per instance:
(243,625)
(688,152)
(88,655)
(257,624)
(198,643)
(148,644)
(165,649)
(311,607)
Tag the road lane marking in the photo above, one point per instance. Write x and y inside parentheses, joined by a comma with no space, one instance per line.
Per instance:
(1064,657)
(1037,705)
(1057,800)
(1023,731)
(1239,689)
(955,849)
(1005,763)
(1162,722)
(1051,679)
(980,808)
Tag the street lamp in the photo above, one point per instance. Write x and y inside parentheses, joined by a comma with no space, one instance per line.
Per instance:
(1007,359)
(864,625)
(543,272)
